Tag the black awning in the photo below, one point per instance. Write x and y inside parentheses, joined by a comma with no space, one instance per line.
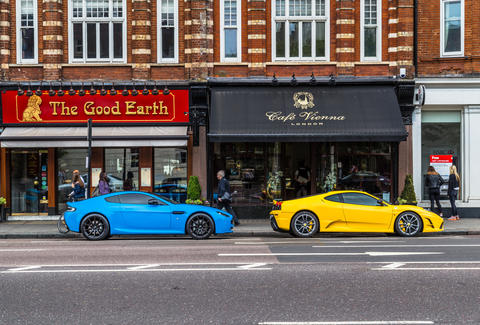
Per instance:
(298,114)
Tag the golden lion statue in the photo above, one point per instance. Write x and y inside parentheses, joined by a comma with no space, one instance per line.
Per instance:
(33,111)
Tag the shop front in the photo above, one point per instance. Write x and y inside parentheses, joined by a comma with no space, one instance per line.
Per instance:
(285,142)
(139,137)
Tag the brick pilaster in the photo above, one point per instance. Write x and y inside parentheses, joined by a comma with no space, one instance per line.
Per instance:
(345,37)
(4,39)
(256,37)
(405,35)
(141,39)
(52,38)
(392,24)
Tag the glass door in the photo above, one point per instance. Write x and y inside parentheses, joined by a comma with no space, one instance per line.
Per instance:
(29,181)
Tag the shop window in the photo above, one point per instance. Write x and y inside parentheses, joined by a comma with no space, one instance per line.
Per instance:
(452,27)
(121,166)
(170,173)
(97,31)
(230,34)
(371,29)
(27,31)
(69,160)
(300,30)
(167,30)
(441,135)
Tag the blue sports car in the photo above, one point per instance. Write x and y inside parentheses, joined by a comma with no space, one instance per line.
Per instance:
(141,213)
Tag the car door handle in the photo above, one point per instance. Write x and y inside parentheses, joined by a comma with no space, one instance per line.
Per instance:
(178,212)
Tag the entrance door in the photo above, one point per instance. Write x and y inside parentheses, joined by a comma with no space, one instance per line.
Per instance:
(29,187)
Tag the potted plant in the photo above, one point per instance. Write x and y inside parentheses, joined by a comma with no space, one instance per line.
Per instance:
(194,191)
(3,202)
(408,194)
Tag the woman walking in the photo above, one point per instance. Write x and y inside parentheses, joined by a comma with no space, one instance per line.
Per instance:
(453,187)
(433,182)
(78,186)
(103,187)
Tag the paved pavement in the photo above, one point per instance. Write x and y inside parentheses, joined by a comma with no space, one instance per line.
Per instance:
(247,228)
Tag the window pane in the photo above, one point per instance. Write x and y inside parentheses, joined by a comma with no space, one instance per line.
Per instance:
(104,41)
(168,40)
(117,8)
(359,199)
(294,40)
(121,166)
(28,43)
(333,198)
(118,41)
(453,31)
(280,7)
(230,13)
(300,7)
(77,8)
(77,41)
(91,41)
(280,40)
(231,43)
(320,7)
(320,39)
(370,49)
(132,198)
(170,173)
(69,160)
(307,39)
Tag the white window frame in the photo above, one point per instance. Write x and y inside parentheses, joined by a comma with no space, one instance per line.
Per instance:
(84,20)
(238,27)
(378,25)
(288,19)
(159,34)
(19,34)
(442,28)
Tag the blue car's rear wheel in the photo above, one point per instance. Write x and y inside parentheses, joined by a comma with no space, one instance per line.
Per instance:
(95,227)
(200,226)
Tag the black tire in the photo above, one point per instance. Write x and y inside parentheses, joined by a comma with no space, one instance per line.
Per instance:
(304,224)
(95,227)
(408,224)
(200,226)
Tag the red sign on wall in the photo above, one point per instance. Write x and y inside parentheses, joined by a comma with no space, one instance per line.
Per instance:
(171,108)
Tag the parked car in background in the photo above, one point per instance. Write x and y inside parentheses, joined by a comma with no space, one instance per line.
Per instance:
(173,188)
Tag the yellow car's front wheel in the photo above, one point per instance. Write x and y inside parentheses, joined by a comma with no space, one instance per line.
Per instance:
(304,224)
(408,224)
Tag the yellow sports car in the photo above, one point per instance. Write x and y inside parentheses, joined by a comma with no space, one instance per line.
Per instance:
(350,211)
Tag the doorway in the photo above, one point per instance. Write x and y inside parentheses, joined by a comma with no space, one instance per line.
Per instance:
(29,182)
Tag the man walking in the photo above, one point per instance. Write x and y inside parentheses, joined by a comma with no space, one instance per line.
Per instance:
(225,196)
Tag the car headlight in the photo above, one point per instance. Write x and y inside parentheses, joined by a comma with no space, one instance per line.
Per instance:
(70,209)
(223,214)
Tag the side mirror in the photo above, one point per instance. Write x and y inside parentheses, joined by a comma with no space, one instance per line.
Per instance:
(380,203)
(153,202)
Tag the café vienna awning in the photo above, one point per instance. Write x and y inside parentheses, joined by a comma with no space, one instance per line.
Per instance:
(294,114)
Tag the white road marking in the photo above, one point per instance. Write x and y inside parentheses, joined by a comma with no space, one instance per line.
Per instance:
(250,266)
(369,241)
(25,268)
(427,269)
(397,322)
(397,266)
(332,254)
(140,267)
(390,246)
(393,265)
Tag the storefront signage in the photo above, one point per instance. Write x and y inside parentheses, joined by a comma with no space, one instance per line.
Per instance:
(171,108)
(442,164)
(303,100)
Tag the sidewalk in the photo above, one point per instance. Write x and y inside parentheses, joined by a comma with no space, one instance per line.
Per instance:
(247,228)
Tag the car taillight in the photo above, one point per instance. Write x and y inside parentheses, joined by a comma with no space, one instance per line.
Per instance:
(277,205)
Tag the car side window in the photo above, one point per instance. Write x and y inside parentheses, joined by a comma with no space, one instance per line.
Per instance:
(113,199)
(359,199)
(334,198)
(135,198)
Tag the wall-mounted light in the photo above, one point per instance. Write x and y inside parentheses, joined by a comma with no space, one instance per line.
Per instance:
(145,91)
(294,80)
(155,90)
(134,90)
(71,91)
(93,91)
(274,79)
(125,90)
(81,92)
(166,91)
(60,92)
(29,90)
(38,92)
(20,91)
(113,91)
(313,80)
(331,80)
(103,91)
(51,92)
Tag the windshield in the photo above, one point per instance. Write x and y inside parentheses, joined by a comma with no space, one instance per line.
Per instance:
(165,198)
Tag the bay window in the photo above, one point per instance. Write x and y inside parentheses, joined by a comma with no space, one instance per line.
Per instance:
(97,31)
(300,30)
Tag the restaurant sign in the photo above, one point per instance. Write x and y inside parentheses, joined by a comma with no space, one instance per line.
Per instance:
(171,108)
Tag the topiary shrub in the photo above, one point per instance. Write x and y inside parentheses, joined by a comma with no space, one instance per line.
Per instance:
(408,194)
(194,191)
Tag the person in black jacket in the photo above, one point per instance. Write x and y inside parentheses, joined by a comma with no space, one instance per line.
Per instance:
(225,196)
(453,187)
(433,181)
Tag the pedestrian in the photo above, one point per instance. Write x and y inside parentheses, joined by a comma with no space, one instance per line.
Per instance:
(433,181)
(302,179)
(453,187)
(103,186)
(78,186)
(224,196)
(128,183)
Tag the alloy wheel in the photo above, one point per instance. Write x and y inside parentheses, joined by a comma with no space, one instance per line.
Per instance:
(408,224)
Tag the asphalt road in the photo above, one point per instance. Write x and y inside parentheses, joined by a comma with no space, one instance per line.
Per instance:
(332,280)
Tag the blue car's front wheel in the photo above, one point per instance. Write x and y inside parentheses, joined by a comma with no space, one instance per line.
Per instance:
(200,226)
(95,227)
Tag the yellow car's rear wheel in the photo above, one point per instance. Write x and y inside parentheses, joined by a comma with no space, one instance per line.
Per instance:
(408,224)
(304,224)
